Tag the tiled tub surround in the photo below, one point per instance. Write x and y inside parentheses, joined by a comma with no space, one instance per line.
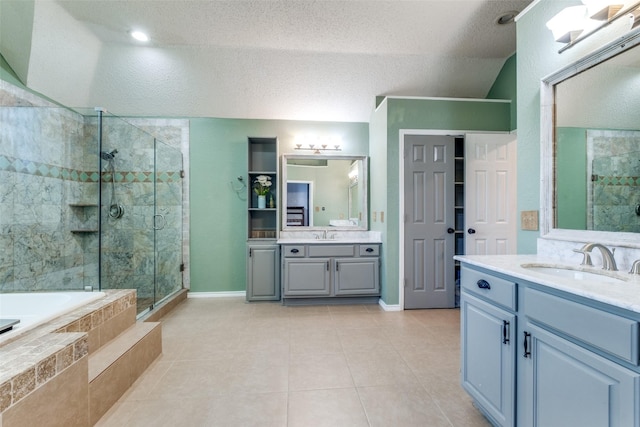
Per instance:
(53,358)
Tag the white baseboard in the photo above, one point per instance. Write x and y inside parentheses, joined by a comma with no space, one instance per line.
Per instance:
(389,307)
(226,294)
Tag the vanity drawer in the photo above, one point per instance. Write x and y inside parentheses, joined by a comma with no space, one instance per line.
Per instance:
(369,250)
(331,250)
(293,251)
(492,288)
(611,333)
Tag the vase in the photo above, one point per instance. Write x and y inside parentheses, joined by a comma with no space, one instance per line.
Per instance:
(262,202)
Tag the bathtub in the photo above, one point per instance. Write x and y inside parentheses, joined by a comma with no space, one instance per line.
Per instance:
(36,308)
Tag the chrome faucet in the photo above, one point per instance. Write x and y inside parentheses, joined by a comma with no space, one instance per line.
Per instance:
(608,261)
(635,268)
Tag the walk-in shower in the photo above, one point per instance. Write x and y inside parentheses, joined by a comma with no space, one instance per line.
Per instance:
(80,195)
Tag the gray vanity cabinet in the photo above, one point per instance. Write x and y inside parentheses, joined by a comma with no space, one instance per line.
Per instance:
(355,276)
(571,370)
(488,332)
(572,361)
(326,272)
(307,276)
(263,275)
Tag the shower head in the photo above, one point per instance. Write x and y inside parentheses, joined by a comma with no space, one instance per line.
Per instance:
(108,156)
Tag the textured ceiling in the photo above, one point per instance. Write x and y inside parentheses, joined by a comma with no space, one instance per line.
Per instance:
(295,59)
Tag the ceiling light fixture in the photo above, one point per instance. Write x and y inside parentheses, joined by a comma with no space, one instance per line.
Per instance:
(140,36)
(507,18)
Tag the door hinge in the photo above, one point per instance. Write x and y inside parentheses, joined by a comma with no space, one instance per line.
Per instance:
(182,267)
(182,174)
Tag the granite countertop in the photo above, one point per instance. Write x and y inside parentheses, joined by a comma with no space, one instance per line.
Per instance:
(624,294)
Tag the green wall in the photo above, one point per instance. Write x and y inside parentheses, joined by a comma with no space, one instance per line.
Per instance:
(571,182)
(218,155)
(386,124)
(505,87)
(537,58)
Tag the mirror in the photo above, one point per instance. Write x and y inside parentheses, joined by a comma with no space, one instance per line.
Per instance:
(324,192)
(591,144)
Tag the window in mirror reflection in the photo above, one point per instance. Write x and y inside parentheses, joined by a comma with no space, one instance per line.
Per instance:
(597,147)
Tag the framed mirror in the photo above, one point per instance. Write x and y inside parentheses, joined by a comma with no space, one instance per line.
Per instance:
(321,192)
(590,165)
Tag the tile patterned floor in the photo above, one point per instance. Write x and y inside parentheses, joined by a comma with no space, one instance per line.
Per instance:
(229,363)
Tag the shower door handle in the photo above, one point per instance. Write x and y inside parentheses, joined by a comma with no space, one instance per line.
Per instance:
(155,222)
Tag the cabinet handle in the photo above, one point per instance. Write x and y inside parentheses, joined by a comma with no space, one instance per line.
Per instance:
(483,284)
(506,327)
(294,251)
(369,250)
(527,344)
(250,252)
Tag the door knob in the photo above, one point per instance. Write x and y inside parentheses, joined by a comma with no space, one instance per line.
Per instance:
(471,231)
(450,230)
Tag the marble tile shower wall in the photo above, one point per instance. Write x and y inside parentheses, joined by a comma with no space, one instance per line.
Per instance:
(49,186)
(614,164)
(43,170)
(129,244)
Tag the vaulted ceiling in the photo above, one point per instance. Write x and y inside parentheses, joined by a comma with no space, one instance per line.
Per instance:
(264,59)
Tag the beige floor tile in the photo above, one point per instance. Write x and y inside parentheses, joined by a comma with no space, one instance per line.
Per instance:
(357,320)
(362,339)
(315,341)
(330,408)
(319,371)
(383,367)
(401,406)
(230,363)
(246,410)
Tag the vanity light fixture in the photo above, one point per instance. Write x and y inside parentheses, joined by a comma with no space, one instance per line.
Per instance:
(140,36)
(576,23)
(567,25)
(317,145)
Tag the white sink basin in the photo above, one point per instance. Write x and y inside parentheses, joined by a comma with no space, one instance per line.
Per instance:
(571,273)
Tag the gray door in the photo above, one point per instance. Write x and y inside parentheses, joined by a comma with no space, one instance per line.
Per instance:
(428,242)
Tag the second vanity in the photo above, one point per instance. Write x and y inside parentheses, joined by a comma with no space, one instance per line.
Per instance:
(330,268)
(544,344)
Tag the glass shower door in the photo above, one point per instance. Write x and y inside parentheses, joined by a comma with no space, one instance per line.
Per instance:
(167,220)
(127,198)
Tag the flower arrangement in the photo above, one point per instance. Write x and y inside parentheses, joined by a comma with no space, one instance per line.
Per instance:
(262,185)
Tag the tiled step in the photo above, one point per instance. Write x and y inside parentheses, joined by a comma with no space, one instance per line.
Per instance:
(117,365)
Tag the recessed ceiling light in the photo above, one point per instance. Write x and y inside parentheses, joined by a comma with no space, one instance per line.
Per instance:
(506,18)
(140,36)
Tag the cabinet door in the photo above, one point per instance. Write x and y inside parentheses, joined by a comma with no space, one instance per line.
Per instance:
(488,358)
(357,276)
(307,277)
(263,275)
(563,384)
